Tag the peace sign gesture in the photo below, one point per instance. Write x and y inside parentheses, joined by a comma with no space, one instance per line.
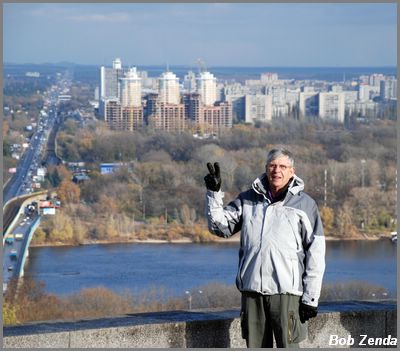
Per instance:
(213,178)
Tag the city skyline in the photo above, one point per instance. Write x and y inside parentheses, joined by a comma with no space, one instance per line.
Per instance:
(222,34)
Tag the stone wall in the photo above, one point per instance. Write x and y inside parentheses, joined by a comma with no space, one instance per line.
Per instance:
(210,328)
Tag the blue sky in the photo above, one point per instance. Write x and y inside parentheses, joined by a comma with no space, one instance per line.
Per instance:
(222,34)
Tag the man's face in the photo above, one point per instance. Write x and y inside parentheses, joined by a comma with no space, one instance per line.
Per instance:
(279,172)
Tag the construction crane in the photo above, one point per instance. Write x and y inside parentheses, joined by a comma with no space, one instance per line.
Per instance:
(202,65)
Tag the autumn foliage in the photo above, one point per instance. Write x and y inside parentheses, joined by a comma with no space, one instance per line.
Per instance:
(160,192)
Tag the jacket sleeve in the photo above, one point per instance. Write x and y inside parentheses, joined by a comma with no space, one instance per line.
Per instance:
(314,249)
(223,221)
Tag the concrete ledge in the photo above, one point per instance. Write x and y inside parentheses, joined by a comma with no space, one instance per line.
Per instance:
(210,328)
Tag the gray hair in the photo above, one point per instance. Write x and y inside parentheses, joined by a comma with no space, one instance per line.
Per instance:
(278,152)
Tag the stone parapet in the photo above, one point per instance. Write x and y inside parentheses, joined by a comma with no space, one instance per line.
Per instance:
(204,328)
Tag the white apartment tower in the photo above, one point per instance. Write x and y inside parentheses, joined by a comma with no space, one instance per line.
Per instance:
(131,89)
(207,88)
(331,106)
(109,80)
(117,64)
(364,92)
(388,88)
(168,86)
(258,108)
(375,79)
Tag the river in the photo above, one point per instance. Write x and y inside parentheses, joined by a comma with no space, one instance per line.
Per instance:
(181,267)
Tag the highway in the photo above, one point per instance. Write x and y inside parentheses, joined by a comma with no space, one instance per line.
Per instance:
(21,182)
(39,153)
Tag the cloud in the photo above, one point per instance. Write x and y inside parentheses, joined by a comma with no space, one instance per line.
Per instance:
(99,17)
(47,10)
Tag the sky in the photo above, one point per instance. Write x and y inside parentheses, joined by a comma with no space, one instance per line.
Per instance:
(221,34)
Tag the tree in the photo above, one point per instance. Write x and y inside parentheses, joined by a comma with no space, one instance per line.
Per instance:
(60,228)
(79,231)
(68,192)
(327,219)
(344,223)
(9,314)
(185,215)
(54,177)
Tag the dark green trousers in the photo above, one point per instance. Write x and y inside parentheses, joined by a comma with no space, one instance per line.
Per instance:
(266,316)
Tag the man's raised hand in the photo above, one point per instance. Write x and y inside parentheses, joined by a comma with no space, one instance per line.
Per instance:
(213,178)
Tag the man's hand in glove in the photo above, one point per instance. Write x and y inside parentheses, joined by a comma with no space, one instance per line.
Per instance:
(213,179)
(306,312)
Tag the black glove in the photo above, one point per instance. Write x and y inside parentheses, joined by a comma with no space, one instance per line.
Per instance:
(213,179)
(306,312)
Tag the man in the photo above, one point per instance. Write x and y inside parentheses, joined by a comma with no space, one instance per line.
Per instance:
(282,251)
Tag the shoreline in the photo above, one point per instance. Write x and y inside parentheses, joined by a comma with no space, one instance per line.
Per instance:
(235,239)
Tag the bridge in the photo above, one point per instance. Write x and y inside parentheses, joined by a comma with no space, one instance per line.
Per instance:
(20,229)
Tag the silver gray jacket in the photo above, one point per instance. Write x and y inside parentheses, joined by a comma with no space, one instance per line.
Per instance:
(282,244)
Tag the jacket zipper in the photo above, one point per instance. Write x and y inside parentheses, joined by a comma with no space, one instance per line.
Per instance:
(261,240)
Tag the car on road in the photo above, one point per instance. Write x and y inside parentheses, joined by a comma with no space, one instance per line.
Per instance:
(10,268)
(9,240)
(19,236)
(13,254)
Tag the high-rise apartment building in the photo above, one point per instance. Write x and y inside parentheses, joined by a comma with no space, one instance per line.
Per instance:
(150,108)
(258,108)
(235,94)
(117,64)
(308,104)
(364,92)
(165,111)
(192,104)
(109,78)
(331,106)
(268,78)
(168,88)
(131,89)
(213,119)
(375,79)
(112,113)
(109,85)
(123,118)
(207,88)
(168,117)
(120,97)
(209,119)
(388,88)
(189,82)
(131,118)
(278,94)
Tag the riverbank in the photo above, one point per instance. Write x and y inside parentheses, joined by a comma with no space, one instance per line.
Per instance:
(234,239)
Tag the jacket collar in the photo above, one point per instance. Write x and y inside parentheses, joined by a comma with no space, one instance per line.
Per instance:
(260,185)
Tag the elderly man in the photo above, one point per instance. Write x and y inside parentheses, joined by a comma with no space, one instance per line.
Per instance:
(282,251)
